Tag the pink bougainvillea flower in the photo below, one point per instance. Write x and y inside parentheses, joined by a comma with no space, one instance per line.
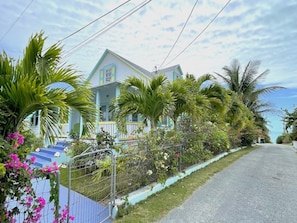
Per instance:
(55,167)
(41,201)
(14,157)
(20,139)
(16,138)
(32,159)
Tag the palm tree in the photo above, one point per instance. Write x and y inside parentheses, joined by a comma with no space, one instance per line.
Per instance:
(290,120)
(246,85)
(193,99)
(182,102)
(152,100)
(237,114)
(209,96)
(39,82)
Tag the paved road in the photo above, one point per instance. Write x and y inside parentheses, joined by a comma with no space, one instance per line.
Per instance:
(261,187)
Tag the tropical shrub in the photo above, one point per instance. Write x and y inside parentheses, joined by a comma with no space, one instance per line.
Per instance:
(290,120)
(104,138)
(284,138)
(32,142)
(249,134)
(216,140)
(279,139)
(77,147)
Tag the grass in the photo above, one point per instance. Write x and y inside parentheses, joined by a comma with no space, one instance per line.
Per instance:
(157,206)
(84,183)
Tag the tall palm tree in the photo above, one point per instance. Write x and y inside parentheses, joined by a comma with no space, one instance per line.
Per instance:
(290,120)
(39,82)
(246,85)
(237,114)
(152,100)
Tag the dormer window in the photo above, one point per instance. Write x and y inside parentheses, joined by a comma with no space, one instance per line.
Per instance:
(107,74)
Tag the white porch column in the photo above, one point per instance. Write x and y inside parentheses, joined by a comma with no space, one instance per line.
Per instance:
(98,111)
(117,94)
(81,126)
(70,122)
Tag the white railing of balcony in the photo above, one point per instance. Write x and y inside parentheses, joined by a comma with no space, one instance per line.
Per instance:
(111,128)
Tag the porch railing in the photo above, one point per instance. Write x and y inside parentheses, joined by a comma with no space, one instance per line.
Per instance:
(110,127)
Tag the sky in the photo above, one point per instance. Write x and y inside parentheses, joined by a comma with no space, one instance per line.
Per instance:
(202,36)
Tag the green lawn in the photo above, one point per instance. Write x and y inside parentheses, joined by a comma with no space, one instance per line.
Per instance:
(85,184)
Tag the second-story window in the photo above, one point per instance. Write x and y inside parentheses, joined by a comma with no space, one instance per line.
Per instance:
(108,73)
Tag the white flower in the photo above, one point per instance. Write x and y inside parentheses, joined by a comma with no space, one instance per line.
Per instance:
(63,165)
(37,150)
(66,149)
(57,154)
(165,156)
(149,172)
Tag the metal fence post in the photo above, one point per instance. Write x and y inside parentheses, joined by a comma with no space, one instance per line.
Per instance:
(69,187)
(113,179)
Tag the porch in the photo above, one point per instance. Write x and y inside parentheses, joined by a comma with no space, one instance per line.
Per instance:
(109,126)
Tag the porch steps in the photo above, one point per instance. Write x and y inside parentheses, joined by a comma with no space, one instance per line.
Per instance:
(46,156)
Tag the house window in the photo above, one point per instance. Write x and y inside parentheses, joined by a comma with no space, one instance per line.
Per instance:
(103,115)
(135,118)
(108,73)
(34,118)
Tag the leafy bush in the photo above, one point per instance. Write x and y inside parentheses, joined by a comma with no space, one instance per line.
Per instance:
(248,135)
(284,138)
(77,147)
(279,139)
(32,142)
(216,140)
(104,138)
(247,139)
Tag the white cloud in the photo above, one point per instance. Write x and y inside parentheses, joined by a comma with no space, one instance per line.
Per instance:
(257,30)
(263,31)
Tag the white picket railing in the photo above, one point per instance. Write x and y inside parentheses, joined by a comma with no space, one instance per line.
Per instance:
(110,127)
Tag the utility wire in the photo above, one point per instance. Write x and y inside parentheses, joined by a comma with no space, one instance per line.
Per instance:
(94,21)
(12,25)
(200,32)
(179,34)
(106,28)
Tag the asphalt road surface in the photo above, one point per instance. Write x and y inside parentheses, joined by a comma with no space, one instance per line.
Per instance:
(259,187)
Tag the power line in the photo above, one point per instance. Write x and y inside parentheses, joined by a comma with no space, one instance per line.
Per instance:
(106,28)
(179,34)
(12,25)
(200,32)
(94,21)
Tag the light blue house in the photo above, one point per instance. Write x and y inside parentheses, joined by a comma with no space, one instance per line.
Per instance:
(106,77)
